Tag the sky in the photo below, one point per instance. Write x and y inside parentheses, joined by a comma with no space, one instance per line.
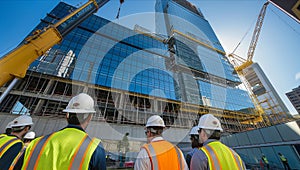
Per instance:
(277,50)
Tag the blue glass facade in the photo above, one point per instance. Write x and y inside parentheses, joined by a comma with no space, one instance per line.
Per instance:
(225,97)
(197,48)
(106,54)
(191,22)
(203,59)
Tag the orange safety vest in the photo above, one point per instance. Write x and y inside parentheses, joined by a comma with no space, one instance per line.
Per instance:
(222,157)
(164,155)
(69,148)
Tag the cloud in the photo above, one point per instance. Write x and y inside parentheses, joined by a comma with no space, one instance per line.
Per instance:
(297,76)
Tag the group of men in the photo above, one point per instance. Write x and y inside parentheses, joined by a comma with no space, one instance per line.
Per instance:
(72,148)
(265,163)
(68,148)
(14,141)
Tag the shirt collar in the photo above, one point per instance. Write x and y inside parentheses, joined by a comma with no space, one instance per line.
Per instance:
(11,135)
(74,126)
(208,141)
(157,138)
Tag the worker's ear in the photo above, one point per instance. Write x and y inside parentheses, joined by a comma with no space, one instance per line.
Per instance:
(86,122)
(67,115)
(26,129)
(89,118)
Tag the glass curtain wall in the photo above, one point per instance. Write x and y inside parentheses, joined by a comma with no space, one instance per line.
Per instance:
(197,48)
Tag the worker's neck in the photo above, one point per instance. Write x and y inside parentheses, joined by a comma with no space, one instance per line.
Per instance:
(18,134)
(151,137)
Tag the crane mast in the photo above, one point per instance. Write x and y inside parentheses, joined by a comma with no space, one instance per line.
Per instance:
(256,32)
(240,63)
(254,40)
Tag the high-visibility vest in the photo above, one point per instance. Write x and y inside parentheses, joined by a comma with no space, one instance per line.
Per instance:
(2,135)
(283,159)
(6,142)
(164,155)
(221,157)
(265,160)
(69,148)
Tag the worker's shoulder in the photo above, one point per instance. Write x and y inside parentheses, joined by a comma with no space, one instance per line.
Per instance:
(96,140)
(199,155)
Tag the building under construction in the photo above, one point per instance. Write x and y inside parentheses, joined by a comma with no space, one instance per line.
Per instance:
(134,74)
(274,108)
(180,73)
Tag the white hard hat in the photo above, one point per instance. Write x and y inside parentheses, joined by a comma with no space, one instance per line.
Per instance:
(82,103)
(194,130)
(29,135)
(22,121)
(8,126)
(156,121)
(209,121)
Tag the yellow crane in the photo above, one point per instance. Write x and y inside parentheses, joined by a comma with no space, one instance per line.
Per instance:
(15,63)
(240,63)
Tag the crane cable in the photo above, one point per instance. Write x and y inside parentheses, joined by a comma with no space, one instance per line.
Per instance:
(254,21)
(118,14)
(243,37)
(286,23)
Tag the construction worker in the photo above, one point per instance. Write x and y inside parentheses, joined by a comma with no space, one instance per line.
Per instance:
(28,138)
(284,161)
(125,142)
(123,148)
(12,144)
(69,148)
(265,160)
(213,154)
(194,137)
(158,154)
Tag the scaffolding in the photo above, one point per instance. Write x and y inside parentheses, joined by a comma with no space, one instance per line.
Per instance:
(45,95)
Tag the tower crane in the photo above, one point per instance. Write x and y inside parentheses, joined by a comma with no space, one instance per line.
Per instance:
(240,63)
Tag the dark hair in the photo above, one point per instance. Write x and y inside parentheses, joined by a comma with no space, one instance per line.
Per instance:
(27,140)
(195,141)
(19,128)
(8,131)
(73,119)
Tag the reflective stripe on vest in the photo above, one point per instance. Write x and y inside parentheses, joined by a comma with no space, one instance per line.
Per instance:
(79,156)
(163,154)
(179,157)
(69,148)
(153,160)
(12,166)
(6,142)
(221,157)
(2,135)
(265,159)
(283,159)
(35,154)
